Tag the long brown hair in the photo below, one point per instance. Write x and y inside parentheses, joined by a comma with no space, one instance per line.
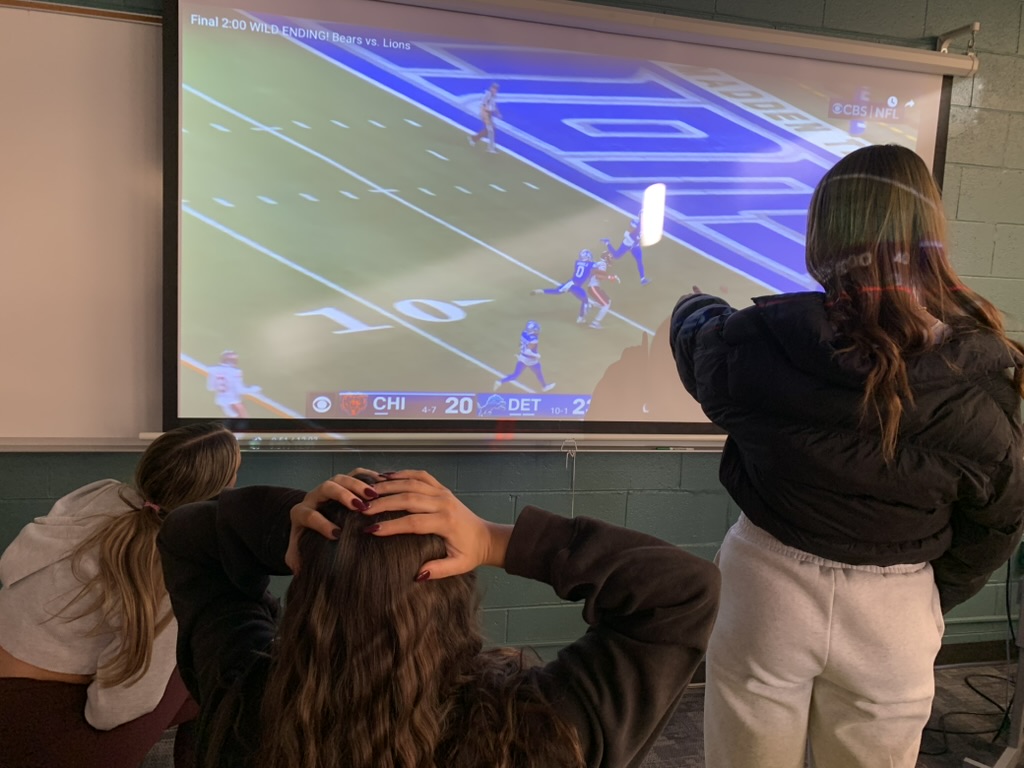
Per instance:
(877,242)
(372,669)
(183,465)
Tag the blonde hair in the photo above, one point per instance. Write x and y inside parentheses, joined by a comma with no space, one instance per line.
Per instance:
(187,464)
(877,242)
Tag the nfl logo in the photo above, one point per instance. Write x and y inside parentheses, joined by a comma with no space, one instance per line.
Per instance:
(353,405)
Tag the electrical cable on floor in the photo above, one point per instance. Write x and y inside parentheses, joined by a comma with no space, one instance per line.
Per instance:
(1002,711)
(945,731)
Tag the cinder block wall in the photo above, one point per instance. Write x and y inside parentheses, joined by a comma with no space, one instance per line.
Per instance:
(673,495)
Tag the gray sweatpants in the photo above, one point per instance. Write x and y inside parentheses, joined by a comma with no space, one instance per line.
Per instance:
(808,652)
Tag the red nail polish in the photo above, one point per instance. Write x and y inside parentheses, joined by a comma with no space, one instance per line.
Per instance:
(423,576)
(361,505)
(372,528)
(335,533)
(370,493)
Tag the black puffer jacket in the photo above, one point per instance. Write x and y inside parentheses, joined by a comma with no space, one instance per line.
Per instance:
(801,467)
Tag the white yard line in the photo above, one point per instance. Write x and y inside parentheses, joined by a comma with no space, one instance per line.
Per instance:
(391,316)
(374,187)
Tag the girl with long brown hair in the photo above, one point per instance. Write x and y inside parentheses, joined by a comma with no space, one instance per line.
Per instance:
(876,450)
(378,660)
(86,632)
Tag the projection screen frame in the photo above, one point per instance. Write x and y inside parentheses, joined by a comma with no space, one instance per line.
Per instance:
(305,434)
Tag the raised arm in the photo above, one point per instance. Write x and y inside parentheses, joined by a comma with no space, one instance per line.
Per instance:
(691,315)
(650,607)
(649,604)
(217,557)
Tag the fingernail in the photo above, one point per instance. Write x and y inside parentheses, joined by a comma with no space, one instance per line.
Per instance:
(336,533)
(370,493)
(423,576)
(372,528)
(387,474)
(361,505)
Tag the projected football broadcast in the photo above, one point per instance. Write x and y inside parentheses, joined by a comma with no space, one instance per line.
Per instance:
(400,214)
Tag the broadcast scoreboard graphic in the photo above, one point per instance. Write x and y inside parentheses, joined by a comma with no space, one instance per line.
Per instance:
(367,243)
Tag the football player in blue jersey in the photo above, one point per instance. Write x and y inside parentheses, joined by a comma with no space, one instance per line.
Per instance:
(630,244)
(577,284)
(529,357)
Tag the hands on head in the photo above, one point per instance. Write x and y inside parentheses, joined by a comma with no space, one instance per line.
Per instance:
(469,540)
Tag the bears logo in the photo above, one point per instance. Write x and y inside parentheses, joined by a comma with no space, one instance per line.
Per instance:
(354,404)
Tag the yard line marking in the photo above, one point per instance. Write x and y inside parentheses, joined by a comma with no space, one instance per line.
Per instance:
(184,130)
(266,200)
(531,186)
(426,191)
(223,202)
(437,154)
(339,123)
(348,194)
(309,197)
(301,125)
(394,318)
(373,187)
(534,164)
(464,190)
(374,122)
(471,302)
(495,186)
(268,128)
(220,128)
(413,123)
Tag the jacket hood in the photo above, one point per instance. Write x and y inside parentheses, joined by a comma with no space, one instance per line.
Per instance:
(53,537)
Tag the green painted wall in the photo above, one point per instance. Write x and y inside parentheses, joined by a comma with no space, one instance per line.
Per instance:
(672,495)
(677,496)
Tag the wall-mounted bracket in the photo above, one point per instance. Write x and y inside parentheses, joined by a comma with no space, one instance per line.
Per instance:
(942,44)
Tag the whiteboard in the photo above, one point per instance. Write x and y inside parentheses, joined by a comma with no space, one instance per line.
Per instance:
(80,229)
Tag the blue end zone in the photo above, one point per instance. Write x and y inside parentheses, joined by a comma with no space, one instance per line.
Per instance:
(610,127)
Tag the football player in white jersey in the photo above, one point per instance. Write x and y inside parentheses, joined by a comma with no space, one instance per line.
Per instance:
(225,381)
(488,111)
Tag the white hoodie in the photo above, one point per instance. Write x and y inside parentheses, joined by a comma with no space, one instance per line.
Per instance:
(37,585)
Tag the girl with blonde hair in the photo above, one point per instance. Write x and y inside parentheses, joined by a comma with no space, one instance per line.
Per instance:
(86,632)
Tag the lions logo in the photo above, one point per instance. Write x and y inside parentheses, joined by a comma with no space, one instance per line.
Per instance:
(353,405)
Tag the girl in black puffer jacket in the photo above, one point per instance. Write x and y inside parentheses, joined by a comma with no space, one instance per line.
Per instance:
(875,447)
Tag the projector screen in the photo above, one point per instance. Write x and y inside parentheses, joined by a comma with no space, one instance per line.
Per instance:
(389,218)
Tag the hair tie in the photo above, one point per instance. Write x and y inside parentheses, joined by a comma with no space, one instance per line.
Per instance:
(151,505)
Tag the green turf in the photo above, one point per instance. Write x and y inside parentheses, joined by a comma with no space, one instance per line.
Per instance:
(368,254)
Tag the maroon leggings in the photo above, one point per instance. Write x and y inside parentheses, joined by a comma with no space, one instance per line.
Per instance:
(43,725)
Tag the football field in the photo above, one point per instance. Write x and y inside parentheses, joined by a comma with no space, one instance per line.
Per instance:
(341,233)
(319,211)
